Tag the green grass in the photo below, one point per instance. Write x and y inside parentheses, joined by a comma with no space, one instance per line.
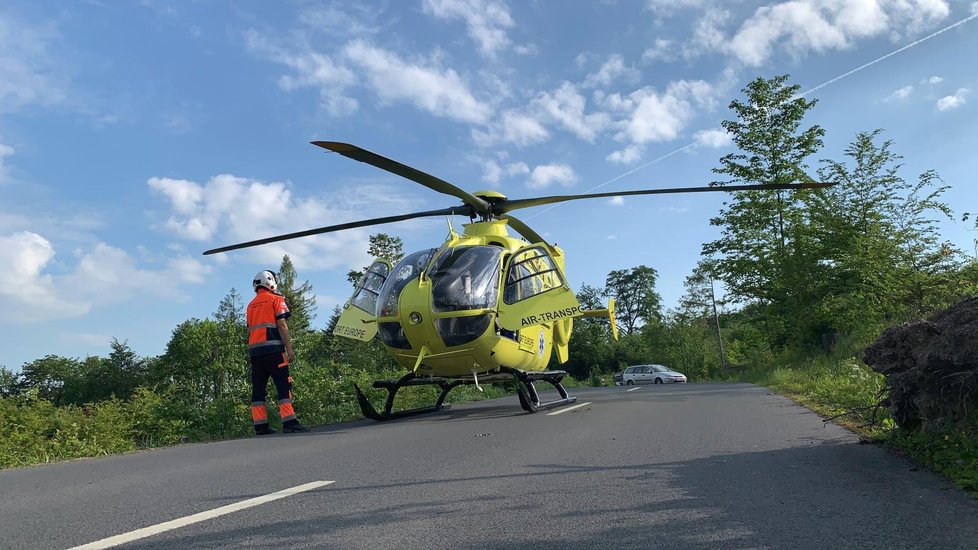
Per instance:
(846,390)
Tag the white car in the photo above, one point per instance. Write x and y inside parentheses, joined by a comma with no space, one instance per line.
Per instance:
(651,374)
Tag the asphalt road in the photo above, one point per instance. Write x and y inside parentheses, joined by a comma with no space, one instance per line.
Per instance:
(684,466)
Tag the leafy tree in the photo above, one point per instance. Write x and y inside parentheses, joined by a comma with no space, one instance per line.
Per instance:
(11,383)
(636,301)
(205,362)
(762,254)
(698,306)
(333,319)
(590,297)
(881,255)
(231,309)
(118,375)
(57,379)
(301,300)
(382,246)
(590,344)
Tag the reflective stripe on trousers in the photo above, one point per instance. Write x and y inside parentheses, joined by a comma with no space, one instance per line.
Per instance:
(259,415)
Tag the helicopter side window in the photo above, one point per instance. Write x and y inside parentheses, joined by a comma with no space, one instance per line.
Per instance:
(465,278)
(373,281)
(531,273)
(404,272)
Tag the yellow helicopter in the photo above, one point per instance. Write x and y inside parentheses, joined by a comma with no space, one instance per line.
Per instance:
(482,308)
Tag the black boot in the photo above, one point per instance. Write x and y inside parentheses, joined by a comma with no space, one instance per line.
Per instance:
(294,427)
(264,429)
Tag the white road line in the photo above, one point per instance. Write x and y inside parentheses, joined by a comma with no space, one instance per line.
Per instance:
(196,518)
(569,408)
(636,388)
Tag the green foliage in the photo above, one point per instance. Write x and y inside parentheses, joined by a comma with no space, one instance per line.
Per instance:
(636,301)
(882,258)
(953,453)
(761,254)
(300,298)
(11,383)
(382,246)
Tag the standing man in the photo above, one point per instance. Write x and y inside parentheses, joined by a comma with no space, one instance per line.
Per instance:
(270,350)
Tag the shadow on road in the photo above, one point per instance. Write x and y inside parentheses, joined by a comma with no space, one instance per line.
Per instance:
(826,495)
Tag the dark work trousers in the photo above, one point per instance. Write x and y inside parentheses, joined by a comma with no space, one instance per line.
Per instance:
(276,366)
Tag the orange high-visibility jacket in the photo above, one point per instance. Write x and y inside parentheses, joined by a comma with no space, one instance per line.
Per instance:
(263,311)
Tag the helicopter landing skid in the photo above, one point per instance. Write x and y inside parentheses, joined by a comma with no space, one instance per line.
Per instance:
(527,392)
(392,387)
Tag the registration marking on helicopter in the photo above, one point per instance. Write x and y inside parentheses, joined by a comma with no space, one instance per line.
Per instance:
(561,411)
(548,316)
(343,330)
(198,517)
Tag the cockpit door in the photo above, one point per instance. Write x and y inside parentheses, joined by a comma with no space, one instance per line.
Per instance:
(535,291)
(358,320)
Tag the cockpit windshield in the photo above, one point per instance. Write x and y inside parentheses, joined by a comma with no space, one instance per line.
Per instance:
(465,278)
(406,270)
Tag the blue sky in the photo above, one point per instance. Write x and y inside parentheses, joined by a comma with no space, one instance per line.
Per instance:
(135,135)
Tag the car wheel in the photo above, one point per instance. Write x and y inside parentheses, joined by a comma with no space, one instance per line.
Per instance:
(658,380)
(629,383)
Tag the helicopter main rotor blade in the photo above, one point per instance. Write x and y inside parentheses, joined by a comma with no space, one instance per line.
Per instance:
(461,210)
(523,229)
(510,205)
(405,171)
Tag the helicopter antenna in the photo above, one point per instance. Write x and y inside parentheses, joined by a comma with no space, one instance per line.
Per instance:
(451,229)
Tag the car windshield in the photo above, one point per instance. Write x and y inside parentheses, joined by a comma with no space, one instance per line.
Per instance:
(659,368)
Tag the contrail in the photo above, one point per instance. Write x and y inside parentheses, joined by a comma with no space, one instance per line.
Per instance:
(810,90)
(891,54)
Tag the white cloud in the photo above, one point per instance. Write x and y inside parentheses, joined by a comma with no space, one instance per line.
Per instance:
(616,201)
(514,127)
(662,49)
(545,175)
(613,70)
(232,209)
(974,8)
(440,92)
(909,17)
(670,7)
(803,26)
(932,80)
(517,169)
(184,195)
(628,155)
(313,69)
(954,101)
(102,276)
(566,106)
(493,172)
(350,20)
(899,95)
(714,137)
(526,49)
(487,21)
(339,105)
(31,74)
(661,117)
(708,33)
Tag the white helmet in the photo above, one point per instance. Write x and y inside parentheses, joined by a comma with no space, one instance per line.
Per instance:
(266,279)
